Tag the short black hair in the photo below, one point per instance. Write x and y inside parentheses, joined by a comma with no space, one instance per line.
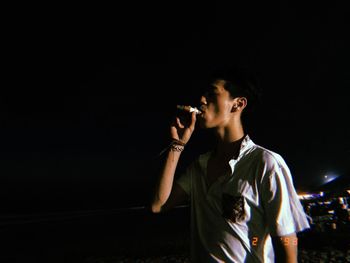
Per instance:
(239,82)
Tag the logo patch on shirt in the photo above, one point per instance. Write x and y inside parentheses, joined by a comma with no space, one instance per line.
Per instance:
(232,207)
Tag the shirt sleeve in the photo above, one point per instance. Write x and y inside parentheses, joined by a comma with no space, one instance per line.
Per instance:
(283,210)
(184,181)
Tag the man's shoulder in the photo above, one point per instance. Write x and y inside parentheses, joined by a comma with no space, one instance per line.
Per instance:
(200,161)
(268,157)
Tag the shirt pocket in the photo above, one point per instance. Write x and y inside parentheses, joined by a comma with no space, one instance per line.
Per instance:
(233,207)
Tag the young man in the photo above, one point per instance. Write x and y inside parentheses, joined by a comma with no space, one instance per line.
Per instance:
(244,207)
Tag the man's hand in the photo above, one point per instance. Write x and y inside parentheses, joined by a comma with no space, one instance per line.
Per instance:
(183,131)
(286,248)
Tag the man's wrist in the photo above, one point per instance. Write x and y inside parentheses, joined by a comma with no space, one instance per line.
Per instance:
(176,148)
(177,145)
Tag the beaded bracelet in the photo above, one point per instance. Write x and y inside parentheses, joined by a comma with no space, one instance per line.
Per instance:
(177,142)
(176,148)
(177,145)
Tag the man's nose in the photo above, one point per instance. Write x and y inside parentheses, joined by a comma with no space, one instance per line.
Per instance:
(203,100)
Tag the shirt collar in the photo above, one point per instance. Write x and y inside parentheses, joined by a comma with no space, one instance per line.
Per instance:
(246,145)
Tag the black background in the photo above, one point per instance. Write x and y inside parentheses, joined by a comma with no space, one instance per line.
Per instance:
(88,92)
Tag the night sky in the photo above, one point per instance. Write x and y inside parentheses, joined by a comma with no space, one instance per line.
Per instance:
(89,91)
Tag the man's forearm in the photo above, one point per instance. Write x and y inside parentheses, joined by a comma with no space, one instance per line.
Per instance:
(165,181)
(286,249)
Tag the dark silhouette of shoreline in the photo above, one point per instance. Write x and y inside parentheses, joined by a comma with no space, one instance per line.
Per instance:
(126,235)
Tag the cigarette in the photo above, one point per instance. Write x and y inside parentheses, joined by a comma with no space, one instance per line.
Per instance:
(188,109)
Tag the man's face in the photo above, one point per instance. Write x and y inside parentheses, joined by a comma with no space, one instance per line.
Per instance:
(216,105)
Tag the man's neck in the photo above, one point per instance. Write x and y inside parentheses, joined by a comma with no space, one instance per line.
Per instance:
(229,149)
(229,140)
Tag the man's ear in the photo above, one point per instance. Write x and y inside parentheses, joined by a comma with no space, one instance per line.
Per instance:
(239,104)
(242,102)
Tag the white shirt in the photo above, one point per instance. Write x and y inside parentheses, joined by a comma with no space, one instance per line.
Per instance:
(261,193)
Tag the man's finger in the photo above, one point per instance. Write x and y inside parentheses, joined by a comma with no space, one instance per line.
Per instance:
(179,123)
(193,120)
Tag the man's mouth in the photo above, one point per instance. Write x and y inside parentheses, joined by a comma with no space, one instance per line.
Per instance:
(202,108)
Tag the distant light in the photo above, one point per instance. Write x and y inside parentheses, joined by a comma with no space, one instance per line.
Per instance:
(329,177)
(305,196)
(321,193)
(308,196)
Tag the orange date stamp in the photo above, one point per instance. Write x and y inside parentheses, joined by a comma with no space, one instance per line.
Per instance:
(286,241)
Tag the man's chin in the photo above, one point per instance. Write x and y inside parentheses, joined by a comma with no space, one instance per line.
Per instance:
(203,125)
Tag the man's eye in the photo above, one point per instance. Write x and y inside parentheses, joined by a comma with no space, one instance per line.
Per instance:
(210,94)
